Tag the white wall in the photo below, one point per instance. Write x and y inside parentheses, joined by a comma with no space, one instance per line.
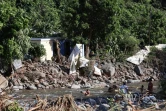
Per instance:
(48,45)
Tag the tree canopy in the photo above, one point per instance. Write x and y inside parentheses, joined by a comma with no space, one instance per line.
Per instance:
(116,28)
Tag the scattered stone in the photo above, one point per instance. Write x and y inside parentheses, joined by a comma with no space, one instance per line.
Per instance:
(7,102)
(32,87)
(133,81)
(50,74)
(45,83)
(75,86)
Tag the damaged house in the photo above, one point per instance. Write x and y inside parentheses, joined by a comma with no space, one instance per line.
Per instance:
(50,46)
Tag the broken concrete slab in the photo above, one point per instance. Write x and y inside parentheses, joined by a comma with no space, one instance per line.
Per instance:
(3,82)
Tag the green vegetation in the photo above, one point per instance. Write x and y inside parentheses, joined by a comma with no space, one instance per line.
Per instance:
(110,28)
(157,58)
(14,107)
(37,50)
(108,24)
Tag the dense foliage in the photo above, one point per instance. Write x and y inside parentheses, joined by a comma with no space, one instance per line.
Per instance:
(116,28)
(37,50)
(157,59)
(109,24)
(13,31)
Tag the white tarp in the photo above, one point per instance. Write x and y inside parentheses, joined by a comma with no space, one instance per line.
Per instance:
(78,49)
(138,57)
(17,63)
(142,54)
(160,46)
(72,66)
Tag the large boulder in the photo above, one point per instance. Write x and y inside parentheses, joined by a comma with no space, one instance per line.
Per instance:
(108,69)
(138,70)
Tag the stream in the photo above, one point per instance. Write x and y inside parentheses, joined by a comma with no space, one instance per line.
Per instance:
(27,97)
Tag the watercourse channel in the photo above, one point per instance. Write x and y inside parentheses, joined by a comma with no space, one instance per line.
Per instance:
(27,97)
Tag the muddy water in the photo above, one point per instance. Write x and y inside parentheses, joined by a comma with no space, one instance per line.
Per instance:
(53,93)
(26,98)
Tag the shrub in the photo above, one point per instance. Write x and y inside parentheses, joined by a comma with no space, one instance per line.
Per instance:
(37,50)
(129,44)
(14,107)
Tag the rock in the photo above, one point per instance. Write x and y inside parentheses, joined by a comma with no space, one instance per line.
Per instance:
(106,105)
(94,78)
(155,77)
(135,76)
(133,81)
(47,87)
(15,82)
(55,81)
(108,69)
(101,79)
(21,87)
(53,70)
(96,81)
(24,78)
(19,82)
(7,102)
(15,88)
(111,81)
(51,86)
(35,75)
(106,79)
(40,86)
(32,87)
(18,87)
(100,85)
(55,85)
(128,77)
(75,86)
(87,85)
(138,70)
(68,85)
(41,80)
(102,108)
(49,76)
(45,83)
(40,74)
(36,81)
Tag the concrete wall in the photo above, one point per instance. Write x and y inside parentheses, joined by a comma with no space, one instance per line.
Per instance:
(48,45)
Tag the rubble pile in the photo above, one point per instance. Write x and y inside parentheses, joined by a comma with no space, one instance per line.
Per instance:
(49,74)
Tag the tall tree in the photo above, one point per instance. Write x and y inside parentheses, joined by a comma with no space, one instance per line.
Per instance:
(13,32)
(43,16)
(86,21)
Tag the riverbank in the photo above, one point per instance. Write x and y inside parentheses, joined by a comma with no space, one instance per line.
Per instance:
(51,80)
(50,75)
